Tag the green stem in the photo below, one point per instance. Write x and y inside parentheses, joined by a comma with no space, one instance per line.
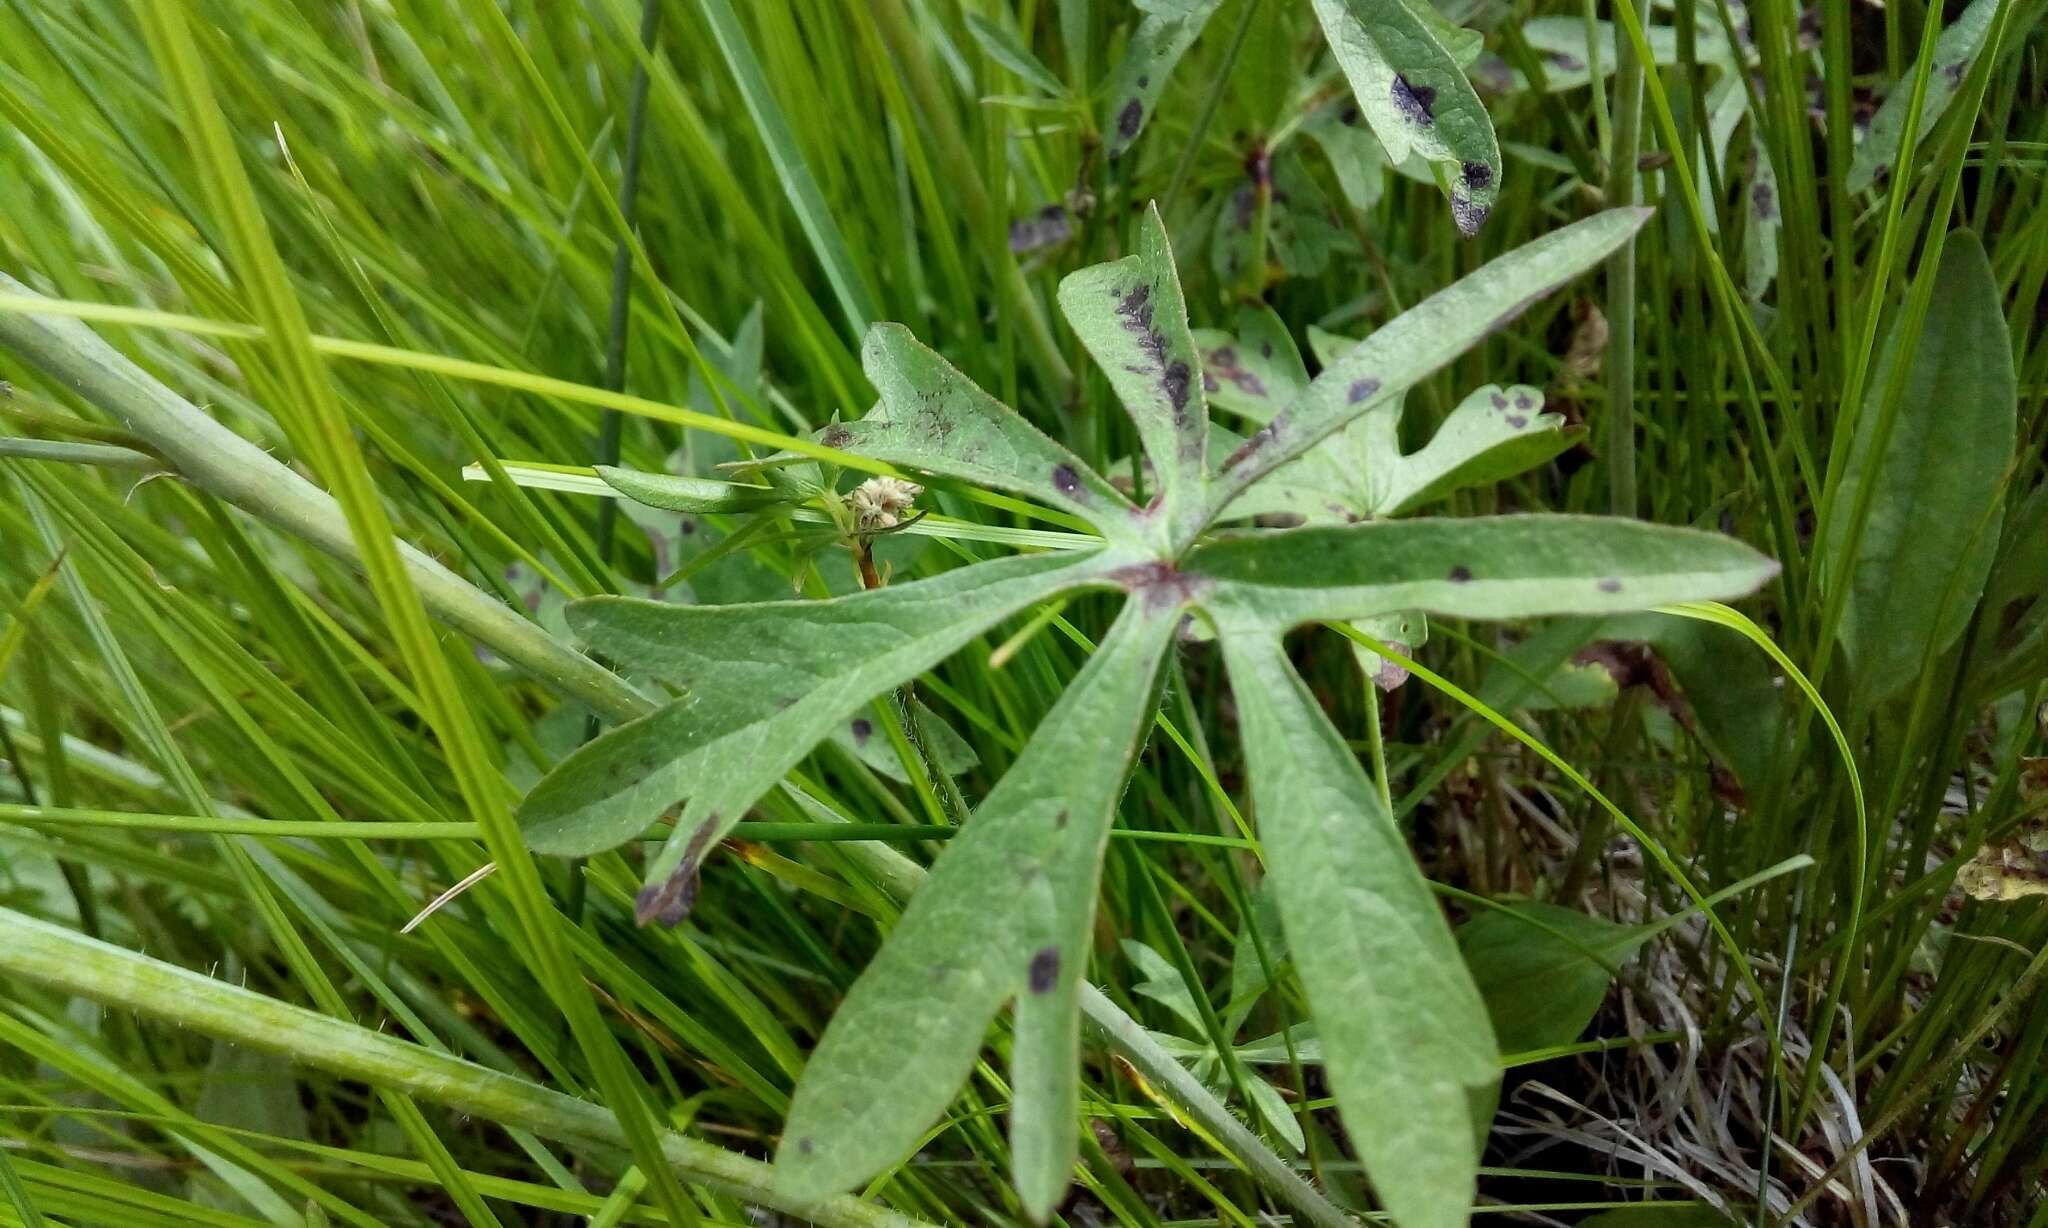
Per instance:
(237,471)
(1619,374)
(70,963)
(105,455)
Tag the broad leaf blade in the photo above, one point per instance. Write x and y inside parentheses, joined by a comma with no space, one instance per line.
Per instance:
(1954,51)
(945,748)
(767,682)
(1417,98)
(934,418)
(1424,338)
(1544,970)
(1163,36)
(1494,433)
(1130,315)
(1932,526)
(1256,373)
(1485,567)
(1567,65)
(672,493)
(1405,1038)
(1005,913)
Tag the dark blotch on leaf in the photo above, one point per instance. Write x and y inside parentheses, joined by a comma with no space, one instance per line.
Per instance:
(669,901)
(1258,439)
(1517,421)
(1524,401)
(862,729)
(1500,401)
(1045,969)
(1610,585)
(1065,480)
(1468,214)
(1478,175)
(1130,119)
(1175,381)
(806,1146)
(1144,81)
(1348,116)
(1570,63)
(1059,821)
(1360,390)
(1416,103)
(836,437)
(1459,574)
(666,903)
(1764,201)
(1265,349)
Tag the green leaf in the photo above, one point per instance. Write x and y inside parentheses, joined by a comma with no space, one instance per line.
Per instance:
(1561,41)
(1273,1108)
(1763,219)
(1544,970)
(1429,335)
(934,418)
(1485,567)
(1917,570)
(1255,373)
(1163,983)
(1005,914)
(766,682)
(1732,691)
(1403,630)
(1494,433)
(1355,154)
(1130,315)
(952,753)
(1416,96)
(1004,48)
(1954,51)
(1405,1038)
(1163,36)
(1538,674)
(672,493)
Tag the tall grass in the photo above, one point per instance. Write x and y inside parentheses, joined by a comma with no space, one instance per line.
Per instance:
(252,733)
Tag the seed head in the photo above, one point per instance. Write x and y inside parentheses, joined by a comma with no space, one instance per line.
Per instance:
(879,503)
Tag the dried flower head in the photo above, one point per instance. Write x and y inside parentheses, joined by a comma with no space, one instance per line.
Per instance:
(879,503)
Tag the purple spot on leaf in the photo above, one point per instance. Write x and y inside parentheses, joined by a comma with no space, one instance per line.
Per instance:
(1045,969)
(1416,103)
(1130,119)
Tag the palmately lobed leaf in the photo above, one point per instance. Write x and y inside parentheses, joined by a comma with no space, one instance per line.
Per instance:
(766,683)
(1406,1045)
(932,417)
(1415,344)
(1490,567)
(1495,433)
(1132,317)
(1005,915)
(1255,373)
